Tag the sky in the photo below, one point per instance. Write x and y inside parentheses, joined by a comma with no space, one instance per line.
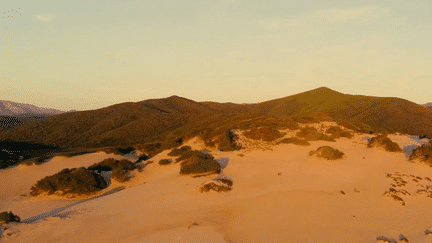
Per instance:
(88,54)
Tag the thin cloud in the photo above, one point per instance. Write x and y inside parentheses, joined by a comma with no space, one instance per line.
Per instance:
(45,17)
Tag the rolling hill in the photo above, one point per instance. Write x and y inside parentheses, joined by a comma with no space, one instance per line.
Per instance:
(173,117)
(9,108)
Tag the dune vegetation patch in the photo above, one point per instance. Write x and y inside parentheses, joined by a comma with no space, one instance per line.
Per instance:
(70,181)
(8,217)
(199,162)
(327,152)
(295,141)
(309,133)
(267,134)
(382,141)
(120,168)
(423,153)
(220,184)
(228,141)
(338,132)
(165,161)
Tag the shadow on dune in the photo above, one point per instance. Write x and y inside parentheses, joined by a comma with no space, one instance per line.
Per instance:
(223,162)
(57,212)
(408,150)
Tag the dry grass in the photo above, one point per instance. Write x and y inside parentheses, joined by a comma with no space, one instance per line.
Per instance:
(327,152)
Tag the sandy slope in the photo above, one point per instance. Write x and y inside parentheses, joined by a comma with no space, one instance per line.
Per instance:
(302,204)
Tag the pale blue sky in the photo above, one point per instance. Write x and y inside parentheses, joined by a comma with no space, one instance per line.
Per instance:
(91,54)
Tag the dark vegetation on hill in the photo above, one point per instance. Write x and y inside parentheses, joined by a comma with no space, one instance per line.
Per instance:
(159,124)
(11,122)
(327,152)
(75,181)
(264,133)
(338,132)
(311,134)
(423,153)
(295,141)
(382,141)
(8,217)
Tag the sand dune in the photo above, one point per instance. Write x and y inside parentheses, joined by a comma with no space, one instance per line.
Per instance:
(278,195)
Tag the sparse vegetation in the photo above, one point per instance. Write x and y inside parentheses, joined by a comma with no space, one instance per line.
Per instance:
(383,141)
(221,184)
(120,168)
(312,134)
(294,141)
(337,132)
(180,151)
(165,161)
(386,239)
(117,151)
(267,134)
(228,141)
(8,217)
(327,152)
(197,162)
(423,153)
(70,181)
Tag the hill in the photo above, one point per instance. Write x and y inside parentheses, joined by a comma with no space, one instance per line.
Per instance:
(428,105)
(171,118)
(9,108)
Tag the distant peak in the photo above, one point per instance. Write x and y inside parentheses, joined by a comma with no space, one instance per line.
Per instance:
(322,90)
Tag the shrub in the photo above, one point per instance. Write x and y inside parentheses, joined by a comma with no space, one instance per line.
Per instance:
(76,181)
(423,153)
(312,134)
(294,141)
(327,152)
(222,184)
(6,217)
(338,132)
(267,134)
(118,151)
(111,164)
(199,163)
(120,174)
(228,141)
(384,142)
(165,161)
(180,151)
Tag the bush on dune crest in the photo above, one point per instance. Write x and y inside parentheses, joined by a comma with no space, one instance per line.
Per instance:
(337,132)
(264,133)
(120,168)
(382,141)
(423,153)
(6,218)
(312,134)
(327,152)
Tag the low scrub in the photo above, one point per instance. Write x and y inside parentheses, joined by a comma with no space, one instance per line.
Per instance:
(382,141)
(165,161)
(180,151)
(327,152)
(423,153)
(337,132)
(267,134)
(118,151)
(120,168)
(6,218)
(295,141)
(198,162)
(311,134)
(228,141)
(70,181)
(222,184)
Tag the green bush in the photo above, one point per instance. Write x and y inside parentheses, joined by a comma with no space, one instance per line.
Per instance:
(6,217)
(165,161)
(264,133)
(199,163)
(228,141)
(75,181)
(327,152)
(384,142)
(294,141)
(312,134)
